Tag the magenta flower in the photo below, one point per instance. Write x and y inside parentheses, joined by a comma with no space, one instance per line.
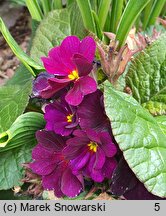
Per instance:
(50,163)
(60,117)
(91,113)
(71,62)
(91,153)
(44,87)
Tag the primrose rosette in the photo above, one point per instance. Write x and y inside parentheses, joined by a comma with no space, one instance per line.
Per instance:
(81,145)
(76,145)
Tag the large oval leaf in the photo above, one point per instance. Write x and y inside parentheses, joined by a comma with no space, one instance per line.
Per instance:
(13,101)
(54,28)
(141,138)
(147,77)
(20,139)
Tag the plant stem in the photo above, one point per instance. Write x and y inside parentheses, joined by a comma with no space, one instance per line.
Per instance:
(34,9)
(116,12)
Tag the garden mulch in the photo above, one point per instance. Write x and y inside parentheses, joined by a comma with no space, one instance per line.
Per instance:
(21,32)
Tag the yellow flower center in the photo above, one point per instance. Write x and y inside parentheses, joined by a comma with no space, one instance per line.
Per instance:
(93,146)
(69,118)
(73,75)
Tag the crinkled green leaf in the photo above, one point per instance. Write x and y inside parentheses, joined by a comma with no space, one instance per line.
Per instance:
(147,77)
(13,101)
(10,165)
(54,28)
(21,76)
(141,138)
(18,149)
(21,131)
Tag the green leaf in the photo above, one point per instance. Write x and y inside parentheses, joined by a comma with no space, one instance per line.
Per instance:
(129,16)
(34,9)
(21,76)
(77,28)
(147,77)
(155,12)
(54,28)
(103,12)
(140,137)
(13,101)
(20,143)
(21,131)
(97,25)
(10,165)
(116,12)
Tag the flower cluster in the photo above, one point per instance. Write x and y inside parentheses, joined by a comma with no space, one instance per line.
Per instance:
(76,143)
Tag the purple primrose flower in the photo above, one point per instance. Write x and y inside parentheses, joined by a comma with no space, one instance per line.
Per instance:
(91,113)
(44,87)
(91,154)
(71,62)
(60,117)
(50,163)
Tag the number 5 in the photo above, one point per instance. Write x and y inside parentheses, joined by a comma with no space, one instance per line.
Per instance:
(157,207)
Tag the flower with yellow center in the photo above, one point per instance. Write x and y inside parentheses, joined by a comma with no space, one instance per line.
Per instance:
(93,146)
(73,75)
(69,118)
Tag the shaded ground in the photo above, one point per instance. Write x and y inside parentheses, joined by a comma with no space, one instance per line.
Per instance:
(19,27)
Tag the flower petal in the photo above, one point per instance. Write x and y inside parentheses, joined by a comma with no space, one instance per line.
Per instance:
(61,59)
(93,135)
(97,175)
(43,167)
(54,67)
(84,67)
(74,96)
(40,153)
(100,159)
(91,112)
(107,144)
(87,85)
(70,185)
(53,181)
(88,48)
(50,140)
(80,161)
(108,168)
(69,46)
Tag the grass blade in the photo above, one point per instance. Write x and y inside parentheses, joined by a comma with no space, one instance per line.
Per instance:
(57,4)
(46,6)
(103,12)
(155,12)
(129,16)
(97,25)
(34,9)
(86,13)
(146,14)
(116,12)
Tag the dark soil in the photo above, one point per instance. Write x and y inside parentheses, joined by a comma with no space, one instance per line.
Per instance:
(21,32)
